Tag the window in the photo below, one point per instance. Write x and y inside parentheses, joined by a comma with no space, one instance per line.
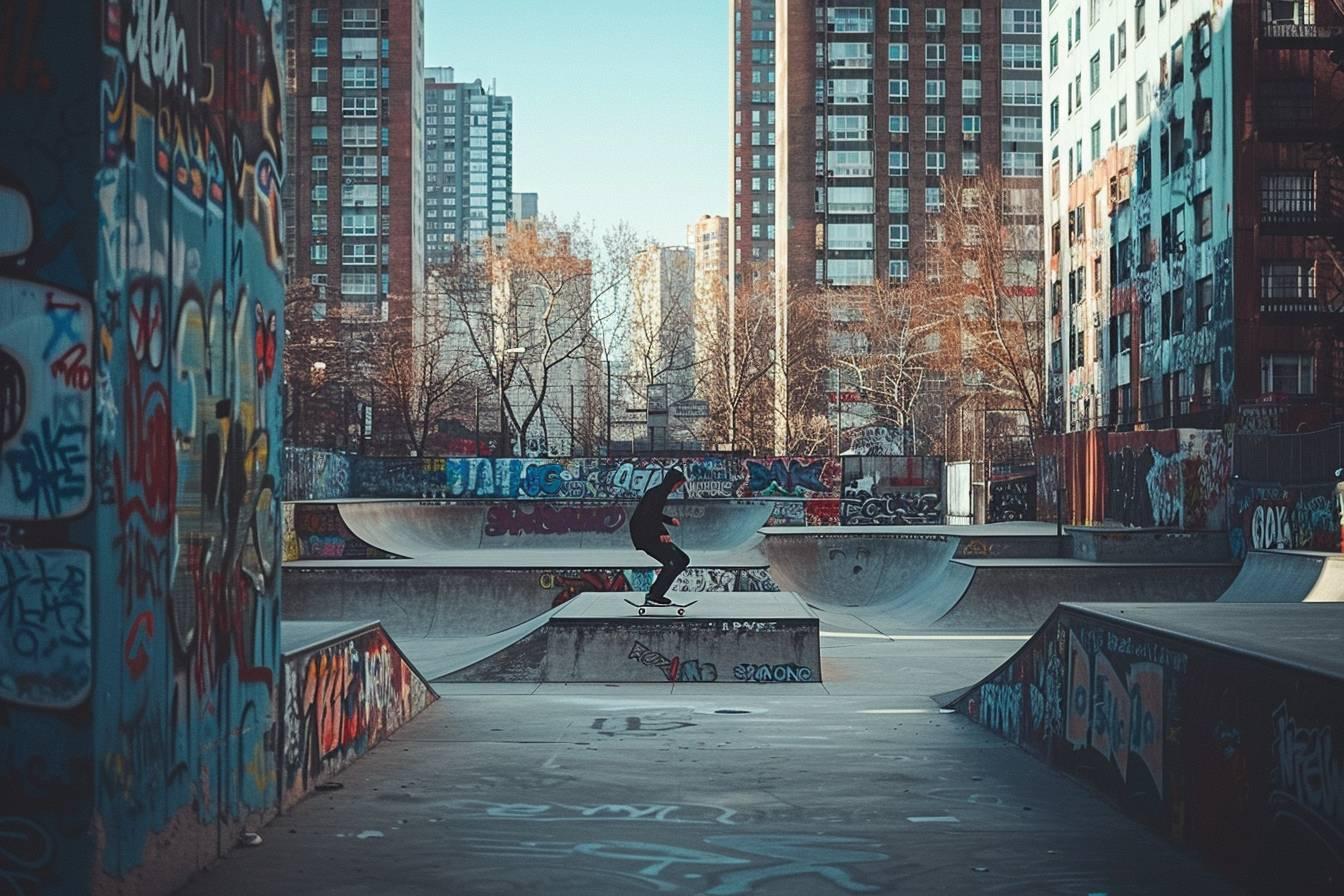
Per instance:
(1121,46)
(1203,301)
(1140,20)
(1204,216)
(898,200)
(935,19)
(850,20)
(359,77)
(935,90)
(1096,141)
(850,55)
(1094,72)
(320,16)
(319,192)
(898,90)
(319,163)
(970,54)
(1283,373)
(1021,56)
(1022,164)
(935,126)
(1021,128)
(1145,247)
(317,253)
(1143,166)
(1177,63)
(359,284)
(1021,21)
(970,90)
(898,52)
(1021,93)
(1287,286)
(935,55)
(935,162)
(898,163)
(359,106)
(318,133)
(319,74)
(933,199)
(970,126)
(1203,127)
(899,18)
(1054,53)
(1122,114)
(319,224)
(970,21)
(359,253)
(898,124)
(1201,43)
(318,104)
(847,127)
(319,46)
(359,19)
(970,164)
(849,236)
(1141,98)
(899,270)
(1288,196)
(359,224)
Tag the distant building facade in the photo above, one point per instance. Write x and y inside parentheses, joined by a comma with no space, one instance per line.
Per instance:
(751,219)
(662,331)
(468,163)
(524,207)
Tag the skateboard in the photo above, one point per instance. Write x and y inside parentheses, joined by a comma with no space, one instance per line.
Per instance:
(680,608)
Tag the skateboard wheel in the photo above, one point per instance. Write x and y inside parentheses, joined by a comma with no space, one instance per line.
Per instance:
(681,611)
(641,611)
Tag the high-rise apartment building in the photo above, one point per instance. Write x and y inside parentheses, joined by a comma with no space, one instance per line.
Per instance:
(714,302)
(354,183)
(468,163)
(1194,214)
(752,213)
(885,101)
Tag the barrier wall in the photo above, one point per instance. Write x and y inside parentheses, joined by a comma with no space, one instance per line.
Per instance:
(141,293)
(1229,753)
(818,491)
(341,699)
(1170,478)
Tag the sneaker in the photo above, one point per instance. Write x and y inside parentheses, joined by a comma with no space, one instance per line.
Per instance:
(657,601)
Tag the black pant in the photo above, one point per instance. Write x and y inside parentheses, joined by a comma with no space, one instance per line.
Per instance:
(674,560)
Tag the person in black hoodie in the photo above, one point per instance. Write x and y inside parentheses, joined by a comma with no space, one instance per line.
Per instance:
(648,533)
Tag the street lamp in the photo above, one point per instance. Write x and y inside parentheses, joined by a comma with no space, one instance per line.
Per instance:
(505,447)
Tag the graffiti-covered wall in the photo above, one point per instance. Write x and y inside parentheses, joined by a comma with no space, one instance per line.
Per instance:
(340,701)
(1228,754)
(140,296)
(1169,478)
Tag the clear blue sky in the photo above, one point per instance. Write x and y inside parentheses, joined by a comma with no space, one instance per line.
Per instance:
(620,106)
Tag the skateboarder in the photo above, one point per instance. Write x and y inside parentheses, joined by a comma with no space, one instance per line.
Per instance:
(647,532)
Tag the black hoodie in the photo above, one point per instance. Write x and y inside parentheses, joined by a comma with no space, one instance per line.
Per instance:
(647,522)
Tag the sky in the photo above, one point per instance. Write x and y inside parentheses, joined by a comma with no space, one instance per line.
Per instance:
(620,106)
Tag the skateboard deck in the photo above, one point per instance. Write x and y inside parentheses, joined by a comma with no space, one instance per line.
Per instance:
(680,608)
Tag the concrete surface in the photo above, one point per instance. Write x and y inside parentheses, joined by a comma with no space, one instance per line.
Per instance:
(858,785)
(1105,544)
(1307,636)
(1288,577)
(599,638)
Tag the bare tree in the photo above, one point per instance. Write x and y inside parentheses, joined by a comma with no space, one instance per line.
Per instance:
(990,263)
(325,362)
(529,307)
(661,330)
(736,362)
(423,372)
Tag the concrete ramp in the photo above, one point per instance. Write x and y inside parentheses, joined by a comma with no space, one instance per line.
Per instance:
(347,686)
(983,578)
(422,529)
(747,638)
(1288,577)
(1210,722)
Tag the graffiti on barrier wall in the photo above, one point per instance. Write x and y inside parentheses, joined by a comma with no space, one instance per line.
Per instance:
(319,532)
(340,702)
(46,646)
(553,519)
(1272,517)
(673,668)
(1012,500)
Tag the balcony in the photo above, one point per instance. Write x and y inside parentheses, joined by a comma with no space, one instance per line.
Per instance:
(1292,23)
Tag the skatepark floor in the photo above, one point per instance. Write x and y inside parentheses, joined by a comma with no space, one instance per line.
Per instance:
(859,784)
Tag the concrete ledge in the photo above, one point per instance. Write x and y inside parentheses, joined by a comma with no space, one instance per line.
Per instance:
(741,637)
(1101,544)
